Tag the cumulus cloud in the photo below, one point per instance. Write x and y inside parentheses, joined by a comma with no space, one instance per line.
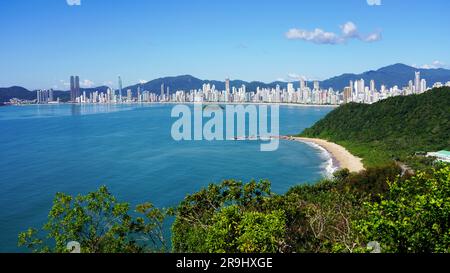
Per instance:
(73,2)
(295,77)
(433,65)
(317,36)
(374,2)
(349,31)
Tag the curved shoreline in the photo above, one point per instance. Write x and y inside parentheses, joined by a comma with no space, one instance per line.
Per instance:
(343,157)
(331,164)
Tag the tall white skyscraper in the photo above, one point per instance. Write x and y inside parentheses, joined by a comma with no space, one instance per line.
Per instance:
(372,85)
(302,84)
(290,87)
(423,85)
(417,82)
(316,85)
(360,86)
(129,95)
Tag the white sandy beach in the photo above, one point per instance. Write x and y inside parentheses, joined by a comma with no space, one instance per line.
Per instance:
(342,155)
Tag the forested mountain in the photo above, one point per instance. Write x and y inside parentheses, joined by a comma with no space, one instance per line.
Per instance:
(395,127)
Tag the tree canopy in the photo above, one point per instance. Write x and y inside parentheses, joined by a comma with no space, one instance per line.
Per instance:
(397,127)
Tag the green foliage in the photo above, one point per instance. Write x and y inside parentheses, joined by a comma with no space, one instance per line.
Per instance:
(319,219)
(413,216)
(393,128)
(212,211)
(234,217)
(233,231)
(97,221)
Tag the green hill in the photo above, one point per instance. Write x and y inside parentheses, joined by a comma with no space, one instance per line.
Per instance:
(397,127)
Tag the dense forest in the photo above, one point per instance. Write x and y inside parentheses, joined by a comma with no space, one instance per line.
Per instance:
(395,128)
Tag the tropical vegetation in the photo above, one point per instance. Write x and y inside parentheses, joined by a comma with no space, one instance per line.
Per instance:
(396,128)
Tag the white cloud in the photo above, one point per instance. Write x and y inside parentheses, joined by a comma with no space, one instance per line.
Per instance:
(374,2)
(433,65)
(143,81)
(73,2)
(295,77)
(349,31)
(64,83)
(374,37)
(87,83)
(317,36)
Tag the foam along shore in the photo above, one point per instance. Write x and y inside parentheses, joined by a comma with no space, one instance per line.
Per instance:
(344,158)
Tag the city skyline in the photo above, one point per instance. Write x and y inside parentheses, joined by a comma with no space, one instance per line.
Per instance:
(274,41)
(356,91)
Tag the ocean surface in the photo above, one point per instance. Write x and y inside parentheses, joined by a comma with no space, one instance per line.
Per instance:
(75,149)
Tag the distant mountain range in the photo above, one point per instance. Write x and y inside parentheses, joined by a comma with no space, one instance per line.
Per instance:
(397,74)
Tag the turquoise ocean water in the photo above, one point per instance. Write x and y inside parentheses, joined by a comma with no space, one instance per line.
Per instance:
(75,149)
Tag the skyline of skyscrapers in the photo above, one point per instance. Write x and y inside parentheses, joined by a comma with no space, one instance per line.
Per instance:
(356,91)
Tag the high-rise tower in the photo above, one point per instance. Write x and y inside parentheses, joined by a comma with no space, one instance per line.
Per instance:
(302,84)
(120,89)
(417,82)
(74,88)
(372,85)
(227,89)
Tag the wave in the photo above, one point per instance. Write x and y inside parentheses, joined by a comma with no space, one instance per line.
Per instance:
(330,166)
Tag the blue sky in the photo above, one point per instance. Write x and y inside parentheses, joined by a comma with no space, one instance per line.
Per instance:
(44,42)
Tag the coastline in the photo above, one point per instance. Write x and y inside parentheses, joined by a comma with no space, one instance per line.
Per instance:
(189,103)
(343,158)
(253,103)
